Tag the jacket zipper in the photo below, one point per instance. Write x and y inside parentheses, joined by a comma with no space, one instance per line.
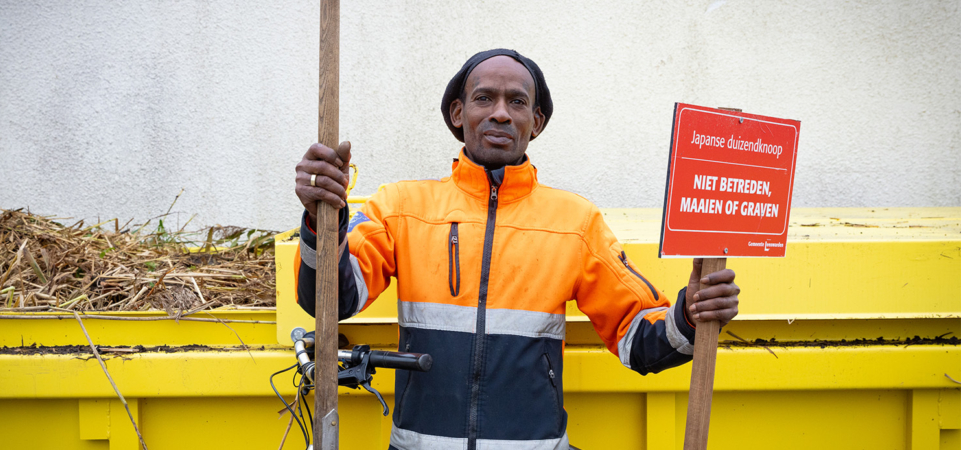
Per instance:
(623,259)
(479,334)
(453,261)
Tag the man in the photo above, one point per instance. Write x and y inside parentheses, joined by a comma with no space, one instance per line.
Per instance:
(485,261)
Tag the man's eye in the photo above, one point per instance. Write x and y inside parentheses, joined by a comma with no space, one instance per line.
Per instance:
(482,98)
(519,101)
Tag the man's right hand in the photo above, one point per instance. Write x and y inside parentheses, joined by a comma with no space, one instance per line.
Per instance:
(331,175)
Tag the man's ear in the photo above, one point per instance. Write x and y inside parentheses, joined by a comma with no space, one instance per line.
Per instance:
(456,113)
(539,121)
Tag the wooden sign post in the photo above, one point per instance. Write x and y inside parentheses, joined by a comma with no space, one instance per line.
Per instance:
(729,182)
(326,419)
(702,372)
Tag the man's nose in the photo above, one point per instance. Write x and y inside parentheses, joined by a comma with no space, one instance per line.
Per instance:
(500,114)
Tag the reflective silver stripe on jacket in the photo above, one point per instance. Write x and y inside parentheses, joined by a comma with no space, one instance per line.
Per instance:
(308,255)
(362,292)
(625,344)
(438,316)
(543,444)
(674,336)
(532,324)
(409,440)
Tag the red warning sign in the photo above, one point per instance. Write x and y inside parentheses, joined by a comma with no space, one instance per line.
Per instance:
(729,183)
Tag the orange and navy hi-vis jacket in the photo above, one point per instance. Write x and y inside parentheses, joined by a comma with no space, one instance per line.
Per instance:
(485,263)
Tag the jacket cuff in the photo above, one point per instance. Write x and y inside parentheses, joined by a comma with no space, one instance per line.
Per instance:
(680,318)
(343,217)
(309,236)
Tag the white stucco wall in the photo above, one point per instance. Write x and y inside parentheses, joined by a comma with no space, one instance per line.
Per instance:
(108,108)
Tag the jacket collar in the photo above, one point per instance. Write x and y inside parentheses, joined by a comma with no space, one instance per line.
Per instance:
(518,181)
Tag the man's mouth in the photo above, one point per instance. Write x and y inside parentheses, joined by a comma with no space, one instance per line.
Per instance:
(498,137)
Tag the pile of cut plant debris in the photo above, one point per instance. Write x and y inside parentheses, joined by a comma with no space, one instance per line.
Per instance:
(46,266)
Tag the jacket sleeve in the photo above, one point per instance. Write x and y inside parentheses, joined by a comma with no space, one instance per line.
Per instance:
(636,323)
(366,258)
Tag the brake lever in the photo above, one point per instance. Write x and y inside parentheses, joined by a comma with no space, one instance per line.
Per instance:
(361,375)
(353,375)
(366,385)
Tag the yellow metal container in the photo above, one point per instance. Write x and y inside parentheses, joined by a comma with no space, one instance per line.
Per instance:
(850,342)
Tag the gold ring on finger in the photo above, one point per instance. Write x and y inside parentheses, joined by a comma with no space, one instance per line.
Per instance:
(313,180)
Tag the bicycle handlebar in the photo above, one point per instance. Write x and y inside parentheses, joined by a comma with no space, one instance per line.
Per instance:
(356,366)
(420,362)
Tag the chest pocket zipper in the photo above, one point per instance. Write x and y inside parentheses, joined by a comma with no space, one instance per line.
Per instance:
(623,259)
(453,261)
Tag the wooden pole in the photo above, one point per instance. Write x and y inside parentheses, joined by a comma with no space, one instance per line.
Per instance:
(326,419)
(702,374)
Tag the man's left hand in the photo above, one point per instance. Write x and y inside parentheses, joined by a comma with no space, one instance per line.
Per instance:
(718,301)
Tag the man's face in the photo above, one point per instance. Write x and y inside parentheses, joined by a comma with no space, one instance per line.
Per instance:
(497,112)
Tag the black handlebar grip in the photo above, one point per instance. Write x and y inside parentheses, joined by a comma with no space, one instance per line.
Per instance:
(420,362)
